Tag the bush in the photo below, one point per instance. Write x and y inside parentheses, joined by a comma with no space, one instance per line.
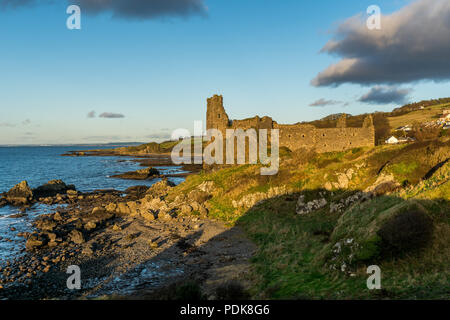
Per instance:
(181,291)
(405,232)
(422,133)
(231,291)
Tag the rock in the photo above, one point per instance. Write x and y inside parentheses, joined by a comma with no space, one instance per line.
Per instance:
(203,211)
(153,244)
(20,194)
(122,208)
(349,201)
(148,215)
(51,236)
(46,224)
(116,227)
(303,208)
(253,199)
(90,226)
(111,207)
(135,208)
(137,192)
(34,242)
(199,196)
(160,189)
(154,204)
(72,193)
(52,188)
(185,209)
(207,186)
(350,172)
(383,185)
(343,181)
(76,237)
(143,174)
(57,216)
(97,217)
(88,250)
(97,210)
(164,216)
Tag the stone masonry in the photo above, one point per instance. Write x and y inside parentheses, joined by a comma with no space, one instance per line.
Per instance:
(296,136)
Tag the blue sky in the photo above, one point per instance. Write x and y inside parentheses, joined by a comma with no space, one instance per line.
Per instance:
(260,54)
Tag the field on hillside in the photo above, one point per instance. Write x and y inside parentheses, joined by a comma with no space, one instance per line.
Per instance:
(426,115)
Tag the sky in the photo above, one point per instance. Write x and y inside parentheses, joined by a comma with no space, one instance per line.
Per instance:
(137,70)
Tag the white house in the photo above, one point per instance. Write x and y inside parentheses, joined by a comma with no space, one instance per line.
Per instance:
(392,140)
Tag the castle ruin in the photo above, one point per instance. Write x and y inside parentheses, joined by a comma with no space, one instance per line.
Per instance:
(296,136)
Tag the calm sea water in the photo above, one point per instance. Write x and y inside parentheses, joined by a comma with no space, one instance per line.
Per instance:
(37,165)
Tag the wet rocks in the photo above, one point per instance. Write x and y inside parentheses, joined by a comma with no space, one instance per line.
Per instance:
(20,194)
(53,188)
(142,174)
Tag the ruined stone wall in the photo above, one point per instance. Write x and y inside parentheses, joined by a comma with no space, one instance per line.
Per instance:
(297,136)
(216,117)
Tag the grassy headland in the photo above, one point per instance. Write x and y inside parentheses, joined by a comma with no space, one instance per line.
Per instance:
(387,205)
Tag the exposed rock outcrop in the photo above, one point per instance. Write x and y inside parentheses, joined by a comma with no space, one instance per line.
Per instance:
(142,174)
(20,194)
(52,188)
(253,199)
(303,208)
(383,185)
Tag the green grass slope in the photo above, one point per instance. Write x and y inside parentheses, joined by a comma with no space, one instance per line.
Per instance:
(324,254)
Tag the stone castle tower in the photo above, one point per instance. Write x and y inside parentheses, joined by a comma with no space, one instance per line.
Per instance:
(216,117)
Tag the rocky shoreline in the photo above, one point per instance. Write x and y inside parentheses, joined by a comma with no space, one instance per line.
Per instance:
(127,244)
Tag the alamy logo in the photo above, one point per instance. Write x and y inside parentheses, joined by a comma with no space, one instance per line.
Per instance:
(74,281)
(374,20)
(74,20)
(231,149)
(374,281)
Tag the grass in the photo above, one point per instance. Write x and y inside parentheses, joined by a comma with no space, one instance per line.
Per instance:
(294,252)
(429,114)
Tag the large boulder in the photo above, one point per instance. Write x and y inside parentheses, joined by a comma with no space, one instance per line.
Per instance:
(52,188)
(20,194)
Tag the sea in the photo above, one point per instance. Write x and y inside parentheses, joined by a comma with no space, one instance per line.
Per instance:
(40,164)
